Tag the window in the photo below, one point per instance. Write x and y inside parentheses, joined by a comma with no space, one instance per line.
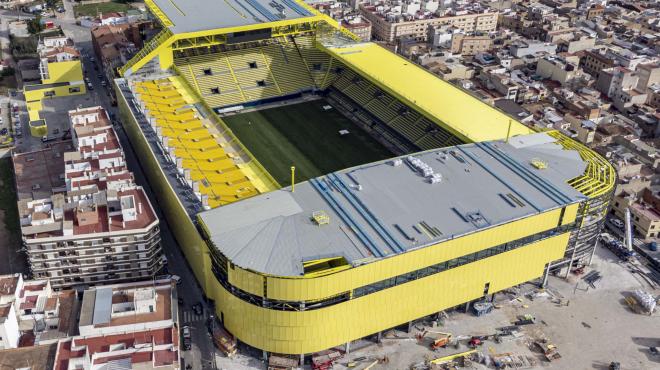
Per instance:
(261,83)
(215,90)
(316,66)
(208,72)
(253,65)
(74,90)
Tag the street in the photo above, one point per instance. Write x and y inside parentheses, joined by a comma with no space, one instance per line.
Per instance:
(203,352)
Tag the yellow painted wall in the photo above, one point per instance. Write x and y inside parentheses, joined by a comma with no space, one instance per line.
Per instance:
(311,331)
(38,131)
(192,245)
(68,71)
(33,108)
(296,289)
(59,91)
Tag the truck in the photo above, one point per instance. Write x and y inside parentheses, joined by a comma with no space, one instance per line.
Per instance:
(223,340)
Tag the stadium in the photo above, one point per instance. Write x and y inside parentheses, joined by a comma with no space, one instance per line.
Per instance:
(409,196)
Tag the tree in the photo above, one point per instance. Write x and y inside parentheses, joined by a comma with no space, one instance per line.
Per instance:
(34,26)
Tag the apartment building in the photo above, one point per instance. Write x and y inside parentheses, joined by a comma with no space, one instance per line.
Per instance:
(644,212)
(125,326)
(390,22)
(359,26)
(83,218)
(594,61)
(32,313)
(559,69)
(470,44)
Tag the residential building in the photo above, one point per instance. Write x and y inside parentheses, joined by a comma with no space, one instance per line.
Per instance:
(470,44)
(113,18)
(83,218)
(644,212)
(595,61)
(392,22)
(521,48)
(32,313)
(132,325)
(620,85)
(359,26)
(114,45)
(647,74)
(559,69)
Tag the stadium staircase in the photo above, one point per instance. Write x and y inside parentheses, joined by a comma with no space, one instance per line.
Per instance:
(148,52)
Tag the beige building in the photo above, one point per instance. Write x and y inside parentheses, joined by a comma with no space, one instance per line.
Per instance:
(558,69)
(594,62)
(644,212)
(470,44)
(390,26)
(359,26)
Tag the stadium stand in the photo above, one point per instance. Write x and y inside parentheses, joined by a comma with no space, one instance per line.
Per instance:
(199,155)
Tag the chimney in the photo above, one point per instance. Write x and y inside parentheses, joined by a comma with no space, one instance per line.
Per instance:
(165,140)
(179,163)
(195,186)
(140,208)
(186,174)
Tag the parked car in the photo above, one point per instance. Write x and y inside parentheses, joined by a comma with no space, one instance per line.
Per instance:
(4,131)
(187,341)
(617,223)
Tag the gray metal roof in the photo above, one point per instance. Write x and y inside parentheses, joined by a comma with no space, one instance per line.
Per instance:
(102,306)
(382,209)
(200,15)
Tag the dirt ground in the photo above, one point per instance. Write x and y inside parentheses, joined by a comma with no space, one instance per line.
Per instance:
(590,328)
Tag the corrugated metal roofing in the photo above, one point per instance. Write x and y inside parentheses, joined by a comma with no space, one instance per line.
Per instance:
(381,205)
(102,306)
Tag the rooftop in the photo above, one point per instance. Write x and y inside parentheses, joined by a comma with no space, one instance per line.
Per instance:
(201,15)
(390,207)
(120,304)
(34,358)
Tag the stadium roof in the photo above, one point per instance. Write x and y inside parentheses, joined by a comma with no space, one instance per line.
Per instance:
(440,101)
(202,15)
(375,210)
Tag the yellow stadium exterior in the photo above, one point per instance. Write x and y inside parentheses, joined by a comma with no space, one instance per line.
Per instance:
(519,251)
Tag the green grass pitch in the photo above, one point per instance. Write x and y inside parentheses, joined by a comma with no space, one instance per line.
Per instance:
(305,136)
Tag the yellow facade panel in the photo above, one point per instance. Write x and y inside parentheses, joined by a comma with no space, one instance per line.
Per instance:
(310,331)
(330,285)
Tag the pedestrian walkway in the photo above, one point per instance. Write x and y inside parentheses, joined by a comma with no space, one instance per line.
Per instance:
(189,316)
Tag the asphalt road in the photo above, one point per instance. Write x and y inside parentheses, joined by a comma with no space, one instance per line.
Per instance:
(203,352)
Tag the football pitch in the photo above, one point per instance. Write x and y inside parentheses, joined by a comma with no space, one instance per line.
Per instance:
(305,136)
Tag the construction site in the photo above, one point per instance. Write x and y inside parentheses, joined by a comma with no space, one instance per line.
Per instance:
(396,256)
(589,328)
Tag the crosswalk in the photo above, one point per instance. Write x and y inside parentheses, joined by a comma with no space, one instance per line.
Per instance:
(189,316)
